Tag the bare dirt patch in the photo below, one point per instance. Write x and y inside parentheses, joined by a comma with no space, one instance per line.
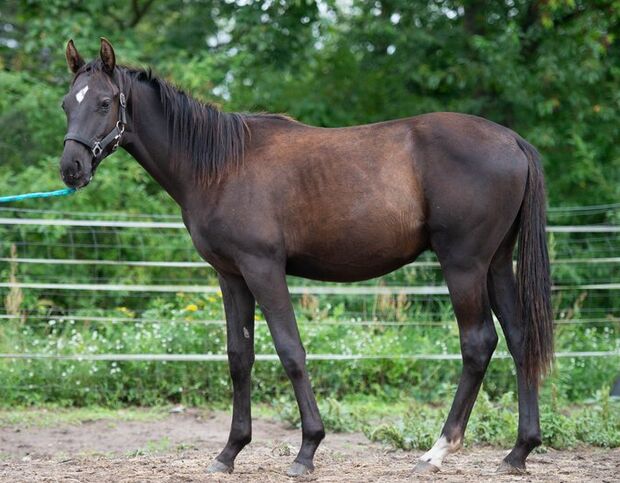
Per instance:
(179,448)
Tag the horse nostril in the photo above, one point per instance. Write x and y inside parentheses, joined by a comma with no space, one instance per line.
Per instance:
(78,167)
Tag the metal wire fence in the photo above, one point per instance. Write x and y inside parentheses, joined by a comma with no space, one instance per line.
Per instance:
(81,267)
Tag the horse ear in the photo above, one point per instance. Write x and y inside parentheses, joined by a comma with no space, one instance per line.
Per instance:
(107,55)
(74,59)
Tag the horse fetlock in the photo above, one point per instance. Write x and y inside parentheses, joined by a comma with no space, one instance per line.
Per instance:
(530,441)
(516,458)
(314,435)
(242,439)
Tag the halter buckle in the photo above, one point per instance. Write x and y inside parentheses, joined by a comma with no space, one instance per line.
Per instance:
(97,149)
(120,129)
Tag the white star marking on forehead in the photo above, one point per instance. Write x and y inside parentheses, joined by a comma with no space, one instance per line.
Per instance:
(80,95)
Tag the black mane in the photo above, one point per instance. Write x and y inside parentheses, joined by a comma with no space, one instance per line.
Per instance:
(208,138)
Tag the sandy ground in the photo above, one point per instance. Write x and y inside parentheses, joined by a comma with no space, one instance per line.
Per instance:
(180,447)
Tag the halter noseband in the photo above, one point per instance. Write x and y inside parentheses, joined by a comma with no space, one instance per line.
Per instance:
(114,136)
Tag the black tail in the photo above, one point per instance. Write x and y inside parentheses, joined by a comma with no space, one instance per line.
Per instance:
(533,277)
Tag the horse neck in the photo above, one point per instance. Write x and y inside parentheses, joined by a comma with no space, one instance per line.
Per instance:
(147,140)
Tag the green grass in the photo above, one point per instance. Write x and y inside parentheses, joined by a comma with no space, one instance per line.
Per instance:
(153,446)
(408,424)
(50,416)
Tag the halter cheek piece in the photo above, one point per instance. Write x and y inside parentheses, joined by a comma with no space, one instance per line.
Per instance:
(114,136)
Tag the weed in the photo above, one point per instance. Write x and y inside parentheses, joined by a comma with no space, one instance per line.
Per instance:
(153,447)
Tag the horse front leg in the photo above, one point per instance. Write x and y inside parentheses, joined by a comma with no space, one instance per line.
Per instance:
(267,281)
(239,306)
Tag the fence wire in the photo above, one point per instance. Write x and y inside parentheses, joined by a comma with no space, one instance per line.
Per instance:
(104,256)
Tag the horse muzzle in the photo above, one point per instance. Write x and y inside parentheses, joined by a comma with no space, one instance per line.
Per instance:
(76,165)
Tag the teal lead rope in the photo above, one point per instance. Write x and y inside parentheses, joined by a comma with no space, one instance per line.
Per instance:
(42,194)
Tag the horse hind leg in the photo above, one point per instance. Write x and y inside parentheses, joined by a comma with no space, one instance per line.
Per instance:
(467,283)
(503,295)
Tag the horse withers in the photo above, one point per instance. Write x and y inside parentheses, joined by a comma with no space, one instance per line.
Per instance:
(264,196)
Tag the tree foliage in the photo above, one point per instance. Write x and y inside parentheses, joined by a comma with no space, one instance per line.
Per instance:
(548,69)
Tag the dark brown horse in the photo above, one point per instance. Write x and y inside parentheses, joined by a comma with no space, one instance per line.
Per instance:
(263,196)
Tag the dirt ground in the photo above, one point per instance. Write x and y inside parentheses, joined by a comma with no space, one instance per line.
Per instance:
(179,447)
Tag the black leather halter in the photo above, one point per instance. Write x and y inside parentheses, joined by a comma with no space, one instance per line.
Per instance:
(114,136)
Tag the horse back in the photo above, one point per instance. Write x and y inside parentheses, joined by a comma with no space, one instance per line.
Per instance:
(353,203)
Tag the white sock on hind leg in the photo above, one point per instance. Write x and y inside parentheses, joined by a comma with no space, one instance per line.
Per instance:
(440,449)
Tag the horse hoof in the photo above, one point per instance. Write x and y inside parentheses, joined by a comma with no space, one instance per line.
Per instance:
(506,468)
(425,468)
(218,467)
(298,469)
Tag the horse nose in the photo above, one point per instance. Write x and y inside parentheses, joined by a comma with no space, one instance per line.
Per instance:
(73,169)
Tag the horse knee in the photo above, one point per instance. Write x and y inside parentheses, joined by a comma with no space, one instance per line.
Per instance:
(240,363)
(294,362)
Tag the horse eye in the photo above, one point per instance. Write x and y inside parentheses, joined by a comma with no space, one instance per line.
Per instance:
(105,104)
